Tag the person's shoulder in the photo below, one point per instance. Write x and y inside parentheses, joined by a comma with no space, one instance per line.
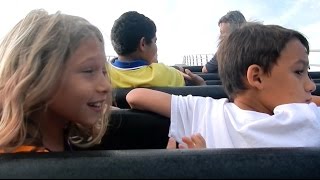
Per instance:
(302,113)
(296,106)
(204,100)
(26,148)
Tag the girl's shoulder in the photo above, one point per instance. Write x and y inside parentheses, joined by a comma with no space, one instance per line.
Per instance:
(26,149)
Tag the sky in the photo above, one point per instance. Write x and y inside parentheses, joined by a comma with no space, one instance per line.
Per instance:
(184,27)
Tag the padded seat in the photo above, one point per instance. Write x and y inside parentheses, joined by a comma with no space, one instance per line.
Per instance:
(193,68)
(314,75)
(134,129)
(209,76)
(215,91)
(261,163)
(213,82)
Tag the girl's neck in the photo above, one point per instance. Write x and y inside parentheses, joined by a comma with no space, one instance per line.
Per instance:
(52,131)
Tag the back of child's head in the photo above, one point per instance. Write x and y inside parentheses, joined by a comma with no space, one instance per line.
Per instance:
(128,30)
(32,59)
(253,43)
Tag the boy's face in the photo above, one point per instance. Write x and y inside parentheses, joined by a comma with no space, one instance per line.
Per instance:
(289,81)
(150,51)
(84,88)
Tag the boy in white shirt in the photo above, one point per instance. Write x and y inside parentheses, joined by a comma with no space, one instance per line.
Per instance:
(264,70)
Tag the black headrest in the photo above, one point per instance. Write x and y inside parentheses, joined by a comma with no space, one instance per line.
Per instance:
(314,75)
(263,163)
(193,68)
(209,76)
(133,129)
(215,91)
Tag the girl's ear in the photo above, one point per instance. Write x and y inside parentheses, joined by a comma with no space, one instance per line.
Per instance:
(254,76)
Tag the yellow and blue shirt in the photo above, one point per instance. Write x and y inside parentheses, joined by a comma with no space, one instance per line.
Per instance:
(138,73)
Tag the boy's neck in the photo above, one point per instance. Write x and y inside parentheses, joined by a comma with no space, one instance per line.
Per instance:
(132,57)
(249,100)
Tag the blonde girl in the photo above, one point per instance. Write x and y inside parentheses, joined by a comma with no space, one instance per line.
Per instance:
(54,89)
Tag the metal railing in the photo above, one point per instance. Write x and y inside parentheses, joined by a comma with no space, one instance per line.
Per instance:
(202,59)
(197,59)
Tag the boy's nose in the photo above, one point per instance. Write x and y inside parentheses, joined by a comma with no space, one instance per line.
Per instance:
(310,85)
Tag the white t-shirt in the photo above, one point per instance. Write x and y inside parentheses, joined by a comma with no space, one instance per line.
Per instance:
(225,125)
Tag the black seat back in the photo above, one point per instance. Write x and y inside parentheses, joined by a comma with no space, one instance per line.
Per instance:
(213,82)
(263,163)
(209,76)
(194,68)
(133,129)
(215,91)
(314,75)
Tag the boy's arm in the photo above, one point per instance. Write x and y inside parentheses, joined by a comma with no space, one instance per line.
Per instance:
(150,100)
(194,79)
(316,100)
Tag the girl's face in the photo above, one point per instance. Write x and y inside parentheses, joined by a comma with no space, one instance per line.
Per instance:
(84,88)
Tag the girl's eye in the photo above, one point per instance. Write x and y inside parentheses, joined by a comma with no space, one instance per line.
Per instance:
(104,72)
(88,71)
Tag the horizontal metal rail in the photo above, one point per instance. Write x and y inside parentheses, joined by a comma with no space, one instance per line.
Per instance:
(202,59)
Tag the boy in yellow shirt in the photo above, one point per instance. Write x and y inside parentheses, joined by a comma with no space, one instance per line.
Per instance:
(133,37)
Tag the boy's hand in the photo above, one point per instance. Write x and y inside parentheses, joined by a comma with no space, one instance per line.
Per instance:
(171,143)
(194,79)
(196,141)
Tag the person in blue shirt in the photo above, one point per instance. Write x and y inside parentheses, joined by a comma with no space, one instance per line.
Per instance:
(227,23)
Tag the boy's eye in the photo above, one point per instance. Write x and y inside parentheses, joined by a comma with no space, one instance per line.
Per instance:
(302,71)
(299,72)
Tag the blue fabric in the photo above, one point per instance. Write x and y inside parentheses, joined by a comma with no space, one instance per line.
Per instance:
(212,65)
(129,64)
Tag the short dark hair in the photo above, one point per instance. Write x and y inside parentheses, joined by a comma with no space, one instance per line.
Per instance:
(251,44)
(128,30)
(234,18)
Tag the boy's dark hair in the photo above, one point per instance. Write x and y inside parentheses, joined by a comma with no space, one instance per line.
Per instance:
(128,30)
(234,18)
(252,44)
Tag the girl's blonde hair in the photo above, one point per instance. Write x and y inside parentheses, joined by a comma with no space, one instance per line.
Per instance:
(32,59)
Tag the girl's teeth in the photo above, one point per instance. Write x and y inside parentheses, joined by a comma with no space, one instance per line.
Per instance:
(95,104)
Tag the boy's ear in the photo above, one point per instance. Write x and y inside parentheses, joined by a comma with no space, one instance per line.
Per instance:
(254,76)
(142,44)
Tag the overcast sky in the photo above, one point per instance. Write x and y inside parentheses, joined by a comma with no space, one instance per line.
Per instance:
(183,26)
